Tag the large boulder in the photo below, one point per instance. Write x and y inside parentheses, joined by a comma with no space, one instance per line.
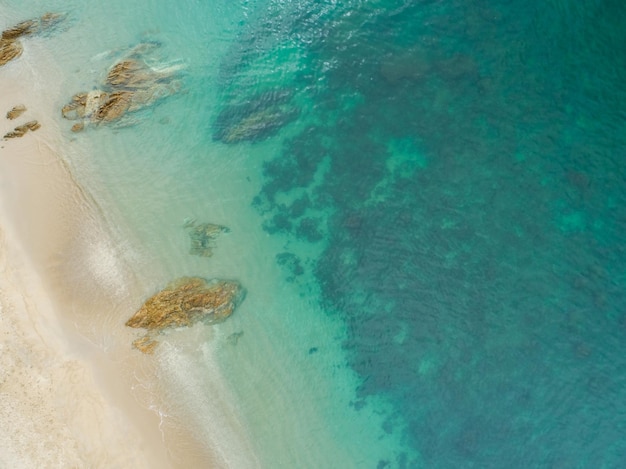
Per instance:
(183,303)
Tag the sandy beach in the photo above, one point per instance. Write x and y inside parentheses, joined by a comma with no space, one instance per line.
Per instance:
(64,401)
(93,224)
(73,392)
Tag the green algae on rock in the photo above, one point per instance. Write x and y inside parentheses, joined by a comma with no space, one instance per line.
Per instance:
(183,303)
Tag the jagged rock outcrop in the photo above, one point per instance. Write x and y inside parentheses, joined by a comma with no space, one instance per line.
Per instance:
(183,303)
(130,85)
(10,45)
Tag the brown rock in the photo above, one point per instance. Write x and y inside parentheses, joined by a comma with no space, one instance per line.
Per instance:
(9,50)
(25,28)
(127,73)
(21,130)
(78,127)
(182,303)
(36,26)
(145,344)
(12,134)
(114,107)
(17,132)
(32,125)
(75,109)
(69,111)
(96,105)
(16,112)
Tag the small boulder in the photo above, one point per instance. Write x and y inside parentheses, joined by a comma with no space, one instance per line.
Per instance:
(21,130)
(16,112)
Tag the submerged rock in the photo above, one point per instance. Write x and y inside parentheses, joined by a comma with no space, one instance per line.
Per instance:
(183,303)
(130,85)
(257,119)
(203,238)
(16,112)
(10,46)
(233,338)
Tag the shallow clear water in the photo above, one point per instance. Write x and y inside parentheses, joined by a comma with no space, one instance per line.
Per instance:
(426,209)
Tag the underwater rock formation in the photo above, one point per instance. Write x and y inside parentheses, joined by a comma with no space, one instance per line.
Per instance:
(130,86)
(291,263)
(203,238)
(11,47)
(256,119)
(16,112)
(21,130)
(183,303)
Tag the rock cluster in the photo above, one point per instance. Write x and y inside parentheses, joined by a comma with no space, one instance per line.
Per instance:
(203,238)
(21,130)
(183,303)
(10,45)
(130,85)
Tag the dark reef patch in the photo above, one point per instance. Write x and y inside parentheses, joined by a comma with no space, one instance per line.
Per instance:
(452,170)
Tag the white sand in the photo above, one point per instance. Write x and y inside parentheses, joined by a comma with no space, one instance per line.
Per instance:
(63,401)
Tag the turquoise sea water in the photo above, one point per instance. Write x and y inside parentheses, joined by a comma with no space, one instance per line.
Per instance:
(426,203)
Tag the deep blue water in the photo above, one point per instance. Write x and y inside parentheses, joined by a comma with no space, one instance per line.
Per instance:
(464,164)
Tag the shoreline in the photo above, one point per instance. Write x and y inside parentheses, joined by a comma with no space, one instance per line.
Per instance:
(66,398)
(42,209)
